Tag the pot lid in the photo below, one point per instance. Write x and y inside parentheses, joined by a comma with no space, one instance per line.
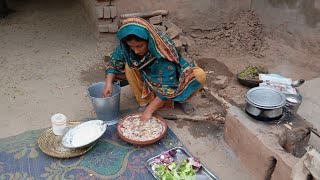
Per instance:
(265,97)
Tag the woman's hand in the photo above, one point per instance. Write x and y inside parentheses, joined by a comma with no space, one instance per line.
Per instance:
(146,116)
(107,91)
(152,107)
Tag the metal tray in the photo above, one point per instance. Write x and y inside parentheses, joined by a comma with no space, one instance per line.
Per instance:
(182,154)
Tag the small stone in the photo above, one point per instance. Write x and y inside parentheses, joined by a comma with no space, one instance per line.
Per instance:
(173,31)
(160,28)
(203,94)
(188,41)
(223,25)
(113,11)
(156,19)
(183,49)
(229,31)
(177,43)
(212,35)
(184,40)
(107,58)
(113,28)
(229,26)
(260,55)
(99,11)
(221,82)
(231,43)
(227,34)
(107,12)
(167,23)
(194,35)
(103,28)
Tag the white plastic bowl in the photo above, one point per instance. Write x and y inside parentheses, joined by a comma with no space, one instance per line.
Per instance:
(84,134)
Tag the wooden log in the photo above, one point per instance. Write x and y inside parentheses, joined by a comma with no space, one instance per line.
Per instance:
(184,117)
(210,117)
(315,131)
(217,97)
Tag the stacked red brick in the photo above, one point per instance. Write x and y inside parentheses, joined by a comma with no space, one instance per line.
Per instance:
(106,14)
(164,25)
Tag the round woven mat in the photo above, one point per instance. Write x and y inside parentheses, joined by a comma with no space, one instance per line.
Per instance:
(51,145)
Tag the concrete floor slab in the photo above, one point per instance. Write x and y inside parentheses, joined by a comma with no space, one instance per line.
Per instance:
(309,108)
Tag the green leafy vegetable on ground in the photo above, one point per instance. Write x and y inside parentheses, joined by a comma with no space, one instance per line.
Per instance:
(252,72)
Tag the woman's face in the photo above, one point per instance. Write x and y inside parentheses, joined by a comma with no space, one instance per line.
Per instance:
(140,48)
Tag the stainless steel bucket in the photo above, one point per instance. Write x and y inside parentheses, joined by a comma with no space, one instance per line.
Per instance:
(107,109)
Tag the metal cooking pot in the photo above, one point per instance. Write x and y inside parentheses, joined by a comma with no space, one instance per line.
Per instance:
(263,113)
(265,103)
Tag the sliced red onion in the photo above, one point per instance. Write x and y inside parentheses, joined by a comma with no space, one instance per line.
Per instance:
(173,152)
(195,163)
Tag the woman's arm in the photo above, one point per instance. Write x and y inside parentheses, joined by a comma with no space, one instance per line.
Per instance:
(107,90)
(151,108)
(115,68)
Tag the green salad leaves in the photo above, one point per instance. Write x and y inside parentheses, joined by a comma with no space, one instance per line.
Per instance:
(175,171)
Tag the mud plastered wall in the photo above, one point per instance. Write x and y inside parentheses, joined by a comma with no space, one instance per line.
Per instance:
(302,16)
(104,14)
(187,13)
(297,15)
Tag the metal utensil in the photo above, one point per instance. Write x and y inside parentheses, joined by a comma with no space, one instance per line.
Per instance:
(265,103)
(68,138)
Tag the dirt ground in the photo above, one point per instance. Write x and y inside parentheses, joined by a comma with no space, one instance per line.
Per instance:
(48,57)
(41,57)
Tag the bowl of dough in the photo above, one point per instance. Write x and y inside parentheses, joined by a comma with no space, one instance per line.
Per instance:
(84,134)
(132,130)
